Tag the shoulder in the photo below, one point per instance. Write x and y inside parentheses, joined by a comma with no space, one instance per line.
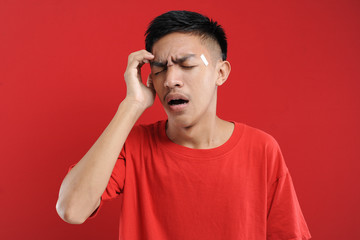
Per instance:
(264,145)
(144,128)
(145,131)
(257,137)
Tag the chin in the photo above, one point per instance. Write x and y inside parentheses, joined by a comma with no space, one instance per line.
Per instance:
(182,121)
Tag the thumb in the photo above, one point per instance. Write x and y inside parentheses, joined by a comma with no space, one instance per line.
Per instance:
(149,82)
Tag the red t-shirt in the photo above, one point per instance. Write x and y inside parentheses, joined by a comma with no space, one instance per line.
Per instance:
(240,190)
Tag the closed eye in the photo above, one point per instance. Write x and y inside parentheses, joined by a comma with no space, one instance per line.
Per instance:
(187,67)
(182,66)
(164,69)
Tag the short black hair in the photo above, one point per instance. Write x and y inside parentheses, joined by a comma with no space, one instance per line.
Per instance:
(185,22)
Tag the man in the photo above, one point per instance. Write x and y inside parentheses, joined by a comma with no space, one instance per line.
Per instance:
(193,176)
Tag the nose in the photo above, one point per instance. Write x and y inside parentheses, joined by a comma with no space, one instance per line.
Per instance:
(173,77)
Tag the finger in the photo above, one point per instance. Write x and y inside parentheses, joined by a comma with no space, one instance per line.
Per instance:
(150,85)
(139,58)
(149,82)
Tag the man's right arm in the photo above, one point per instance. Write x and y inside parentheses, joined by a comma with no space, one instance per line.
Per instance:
(81,189)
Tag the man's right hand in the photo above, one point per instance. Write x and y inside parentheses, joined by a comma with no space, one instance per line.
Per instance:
(81,189)
(137,92)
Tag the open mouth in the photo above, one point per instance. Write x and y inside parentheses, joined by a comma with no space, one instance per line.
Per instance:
(177,102)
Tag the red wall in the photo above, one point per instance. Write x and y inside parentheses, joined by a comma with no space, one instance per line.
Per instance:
(295,74)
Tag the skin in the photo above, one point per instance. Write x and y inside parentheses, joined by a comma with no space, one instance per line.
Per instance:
(197,126)
(194,126)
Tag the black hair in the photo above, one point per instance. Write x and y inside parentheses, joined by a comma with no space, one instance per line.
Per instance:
(185,22)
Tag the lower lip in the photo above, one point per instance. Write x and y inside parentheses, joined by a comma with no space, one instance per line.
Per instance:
(178,108)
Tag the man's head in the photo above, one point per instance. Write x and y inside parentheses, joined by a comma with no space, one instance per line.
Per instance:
(188,65)
(187,22)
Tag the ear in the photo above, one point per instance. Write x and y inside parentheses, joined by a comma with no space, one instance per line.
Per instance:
(223,70)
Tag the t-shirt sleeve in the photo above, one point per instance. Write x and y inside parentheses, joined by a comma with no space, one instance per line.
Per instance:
(117,179)
(285,220)
(116,182)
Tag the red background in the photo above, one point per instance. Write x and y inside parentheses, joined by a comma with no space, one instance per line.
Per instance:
(295,74)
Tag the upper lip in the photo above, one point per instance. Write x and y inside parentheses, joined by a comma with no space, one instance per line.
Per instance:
(174,96)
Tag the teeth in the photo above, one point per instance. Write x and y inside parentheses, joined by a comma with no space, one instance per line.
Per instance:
(177,101)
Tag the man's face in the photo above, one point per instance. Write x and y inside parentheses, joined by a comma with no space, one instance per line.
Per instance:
(186,86)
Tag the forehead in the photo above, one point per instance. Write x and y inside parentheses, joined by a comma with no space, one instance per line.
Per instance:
(177,45)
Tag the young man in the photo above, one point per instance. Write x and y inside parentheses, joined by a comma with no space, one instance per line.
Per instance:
(193,176)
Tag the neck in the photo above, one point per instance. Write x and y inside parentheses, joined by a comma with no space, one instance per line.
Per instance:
(202,135)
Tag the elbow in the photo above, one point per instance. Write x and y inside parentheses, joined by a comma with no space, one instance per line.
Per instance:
(68,214)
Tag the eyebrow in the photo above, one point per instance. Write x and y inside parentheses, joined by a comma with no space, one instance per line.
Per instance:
(176,61)
(183,59)
(157,64)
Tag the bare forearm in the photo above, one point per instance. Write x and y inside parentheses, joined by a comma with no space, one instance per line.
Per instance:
(83,186)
